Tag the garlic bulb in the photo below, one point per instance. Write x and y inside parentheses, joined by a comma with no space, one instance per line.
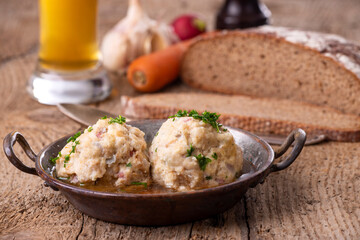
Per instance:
(133,36)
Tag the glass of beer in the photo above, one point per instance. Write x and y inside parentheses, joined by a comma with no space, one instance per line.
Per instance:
(69,68)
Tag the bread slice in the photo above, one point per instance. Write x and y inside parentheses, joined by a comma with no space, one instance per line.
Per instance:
(259,115)
(321,69)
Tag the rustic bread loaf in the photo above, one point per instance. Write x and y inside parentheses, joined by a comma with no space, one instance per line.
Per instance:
(259,115)
(277,62)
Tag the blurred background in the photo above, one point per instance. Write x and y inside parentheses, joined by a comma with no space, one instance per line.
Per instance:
(19,18)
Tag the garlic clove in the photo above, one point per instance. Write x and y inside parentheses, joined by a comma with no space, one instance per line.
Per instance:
(154,42)
(115,50)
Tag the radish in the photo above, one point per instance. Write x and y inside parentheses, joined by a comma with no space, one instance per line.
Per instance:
(188,26)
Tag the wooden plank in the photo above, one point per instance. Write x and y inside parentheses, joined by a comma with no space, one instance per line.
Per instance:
(230,225)
(18,28)
(101,230)
(316,198)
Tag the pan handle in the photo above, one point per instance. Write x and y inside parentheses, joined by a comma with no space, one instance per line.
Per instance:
(298,137)
(8,145)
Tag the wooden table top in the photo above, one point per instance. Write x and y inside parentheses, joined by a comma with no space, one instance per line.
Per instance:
(316,198)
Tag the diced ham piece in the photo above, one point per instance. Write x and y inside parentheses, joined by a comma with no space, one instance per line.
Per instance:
(132,152)
(100,133)
(220,181)
(74,179)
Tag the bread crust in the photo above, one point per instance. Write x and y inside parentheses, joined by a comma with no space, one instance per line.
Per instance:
(131,107)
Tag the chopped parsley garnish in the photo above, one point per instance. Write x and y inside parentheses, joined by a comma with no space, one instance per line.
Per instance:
(73,138)
(155,149)
(208,177)
(128,164)
(156,134)
(195,114)
(214,156)
(206,117)
(104,117)
(180,113)
(119,120)
(73,149)
(190,151)
(140,183)
(90,129)
(202,161)
(53,160)
(67,159)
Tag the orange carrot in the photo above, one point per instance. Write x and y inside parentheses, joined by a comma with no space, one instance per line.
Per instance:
(152,72)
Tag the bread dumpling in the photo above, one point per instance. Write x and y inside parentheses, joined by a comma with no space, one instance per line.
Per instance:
(190,154)
(110,149)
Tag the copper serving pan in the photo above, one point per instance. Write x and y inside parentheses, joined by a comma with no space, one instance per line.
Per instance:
(162,208)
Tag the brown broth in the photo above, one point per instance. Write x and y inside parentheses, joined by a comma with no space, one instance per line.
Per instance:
(108,186)
(103,185)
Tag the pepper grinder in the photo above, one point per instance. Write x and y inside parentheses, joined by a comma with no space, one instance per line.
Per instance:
(242,14)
